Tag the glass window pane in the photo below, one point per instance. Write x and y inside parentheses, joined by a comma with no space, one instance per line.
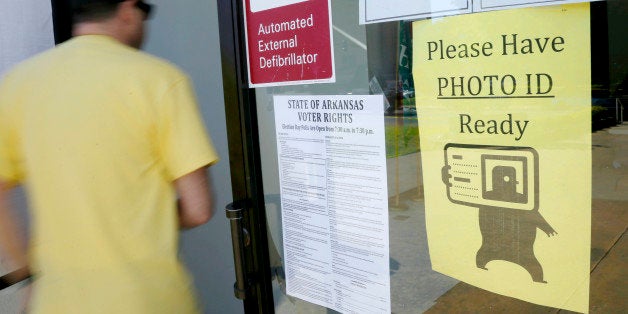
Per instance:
(371,58)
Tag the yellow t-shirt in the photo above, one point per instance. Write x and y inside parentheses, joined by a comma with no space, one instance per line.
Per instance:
(97,132)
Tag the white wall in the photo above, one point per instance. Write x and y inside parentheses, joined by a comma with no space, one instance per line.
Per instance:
(25,30)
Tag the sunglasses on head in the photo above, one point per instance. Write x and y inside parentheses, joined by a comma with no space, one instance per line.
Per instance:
(144,7)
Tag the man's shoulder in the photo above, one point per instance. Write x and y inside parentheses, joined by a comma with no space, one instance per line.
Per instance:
(156,74)
(18,79)
(156,62)
(105,52)
(26,65)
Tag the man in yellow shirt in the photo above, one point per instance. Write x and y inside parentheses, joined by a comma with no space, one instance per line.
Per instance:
(112,152)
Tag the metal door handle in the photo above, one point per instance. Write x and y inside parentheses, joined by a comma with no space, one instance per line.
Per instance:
(13,278)
(240,239)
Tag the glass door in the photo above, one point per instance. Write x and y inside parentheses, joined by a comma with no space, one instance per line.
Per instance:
(366,58)
(375,59)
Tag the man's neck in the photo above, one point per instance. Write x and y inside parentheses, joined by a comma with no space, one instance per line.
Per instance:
(97,28)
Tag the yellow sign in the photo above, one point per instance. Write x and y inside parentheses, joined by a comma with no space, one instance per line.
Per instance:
(504,106)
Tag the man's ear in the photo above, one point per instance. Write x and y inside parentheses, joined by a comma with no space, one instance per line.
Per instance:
(126,11)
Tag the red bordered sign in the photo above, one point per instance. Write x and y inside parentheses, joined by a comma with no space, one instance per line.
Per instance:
(289,42)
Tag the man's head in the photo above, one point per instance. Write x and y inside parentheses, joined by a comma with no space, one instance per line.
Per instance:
(121,19)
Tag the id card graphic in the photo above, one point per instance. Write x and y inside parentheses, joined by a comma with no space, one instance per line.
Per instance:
(495,176)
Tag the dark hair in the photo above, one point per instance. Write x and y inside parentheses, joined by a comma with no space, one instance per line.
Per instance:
(93,10)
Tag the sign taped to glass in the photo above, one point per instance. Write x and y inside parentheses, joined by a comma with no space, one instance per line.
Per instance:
(289,42)
(507,191)
(376,11)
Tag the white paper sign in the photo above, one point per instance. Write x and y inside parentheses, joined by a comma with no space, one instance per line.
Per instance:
(377,11)
(393,10)
(261,5)
(334,200)
(492,5)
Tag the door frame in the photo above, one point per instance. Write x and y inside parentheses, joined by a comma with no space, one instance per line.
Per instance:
(61,20)
(244,156)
